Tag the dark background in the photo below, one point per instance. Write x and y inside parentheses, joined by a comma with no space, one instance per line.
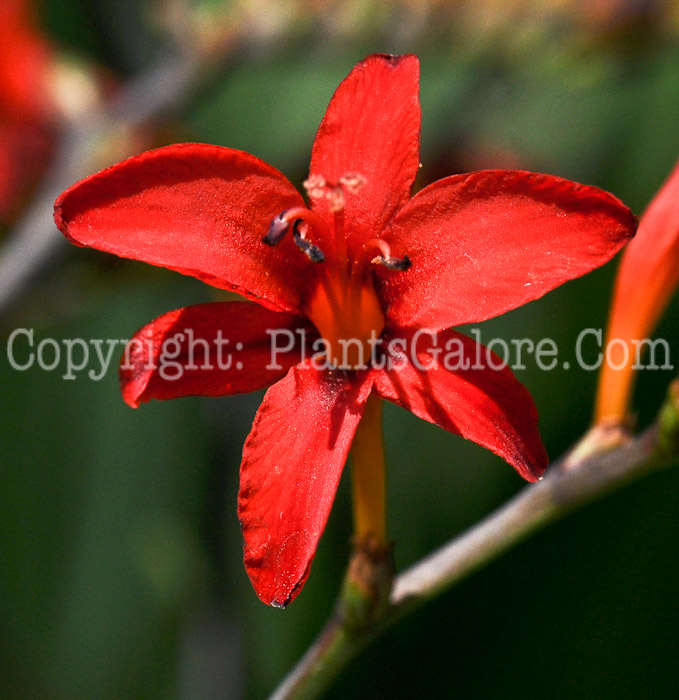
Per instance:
(120,551)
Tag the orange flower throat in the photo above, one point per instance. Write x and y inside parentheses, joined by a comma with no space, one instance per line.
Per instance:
(342,304)
(346,311)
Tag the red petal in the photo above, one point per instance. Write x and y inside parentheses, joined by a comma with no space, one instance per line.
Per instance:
(467,390)
(487,242)
(198,209)
(207,350)
(292,462)
(372,127)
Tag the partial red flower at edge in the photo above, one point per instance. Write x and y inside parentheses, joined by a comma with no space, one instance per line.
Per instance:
(365,259)
(27,109)
(647,278)
(25,61)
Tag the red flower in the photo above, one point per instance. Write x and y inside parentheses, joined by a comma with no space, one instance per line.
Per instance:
(27,110)
(25,61)
(365,261)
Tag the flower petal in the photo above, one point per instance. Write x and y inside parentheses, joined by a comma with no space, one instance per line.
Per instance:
(468,390)
(208,350)
(201,210)
(371,128)
(487,242)
(292,462)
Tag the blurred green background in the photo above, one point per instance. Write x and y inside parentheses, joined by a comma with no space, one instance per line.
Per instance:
(120,570)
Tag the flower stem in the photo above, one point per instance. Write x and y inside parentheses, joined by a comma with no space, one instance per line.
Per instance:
(362,607)
(364,599)
(368,475)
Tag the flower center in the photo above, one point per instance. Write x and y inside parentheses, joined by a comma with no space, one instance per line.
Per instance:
(342,303)
(347,313)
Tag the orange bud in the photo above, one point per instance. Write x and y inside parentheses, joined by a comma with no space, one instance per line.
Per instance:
(648,275)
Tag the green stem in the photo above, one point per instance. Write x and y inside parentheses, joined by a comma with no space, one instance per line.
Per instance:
(331,651)
(362,605)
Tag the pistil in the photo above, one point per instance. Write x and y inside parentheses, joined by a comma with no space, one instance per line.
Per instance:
(340,239)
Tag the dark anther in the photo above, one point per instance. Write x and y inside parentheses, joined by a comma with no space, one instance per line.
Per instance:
(277,229)
(401,264)
(314,253)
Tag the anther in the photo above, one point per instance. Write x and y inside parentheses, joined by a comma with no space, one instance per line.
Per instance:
(313,252)
(400,264)
(383,257)
(302,221)
(277,229)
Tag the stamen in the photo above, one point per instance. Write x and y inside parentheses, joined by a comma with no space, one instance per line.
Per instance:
(294,218)
(383,257)
(313,252)
(400,264)
(277,229)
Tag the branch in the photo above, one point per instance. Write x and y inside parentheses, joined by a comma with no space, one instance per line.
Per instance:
(568,485)
(531,509)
